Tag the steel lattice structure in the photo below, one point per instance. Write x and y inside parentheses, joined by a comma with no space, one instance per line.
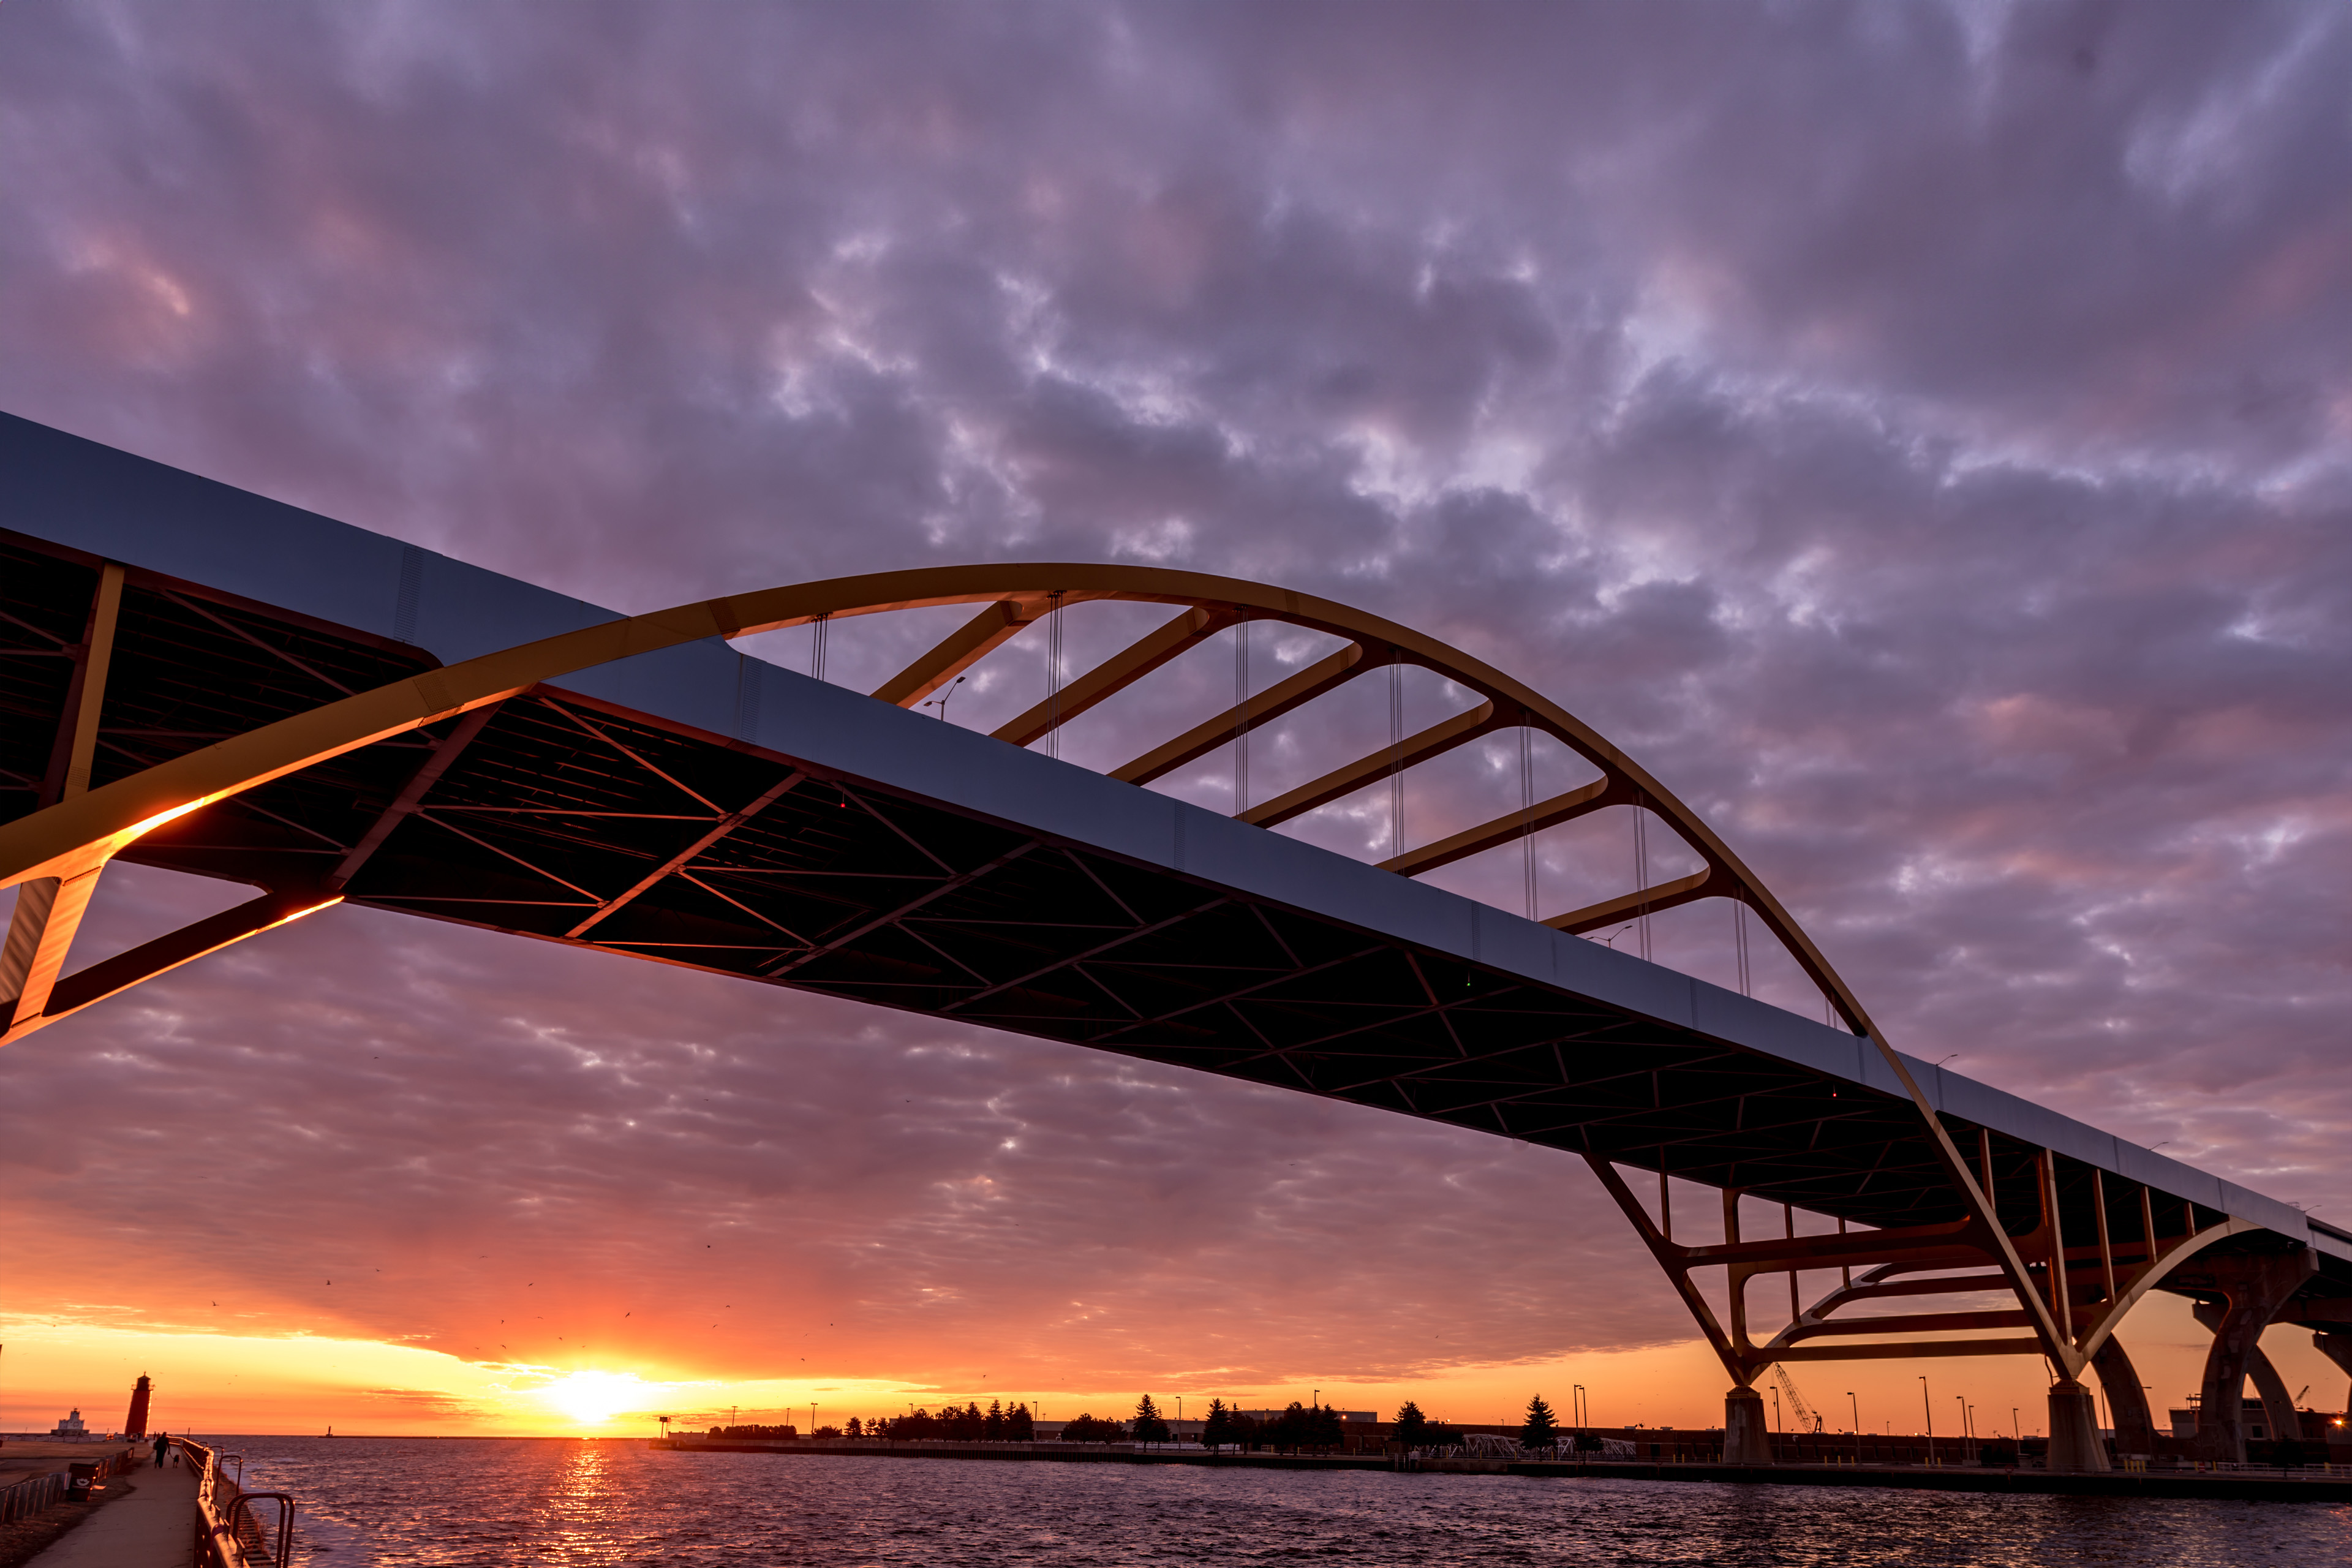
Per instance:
(629,784)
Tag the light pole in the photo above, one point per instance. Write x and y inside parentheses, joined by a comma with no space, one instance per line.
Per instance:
(1776,1409)
(1856,1406)
(1964,1425)
(941,701)
(1927,1406)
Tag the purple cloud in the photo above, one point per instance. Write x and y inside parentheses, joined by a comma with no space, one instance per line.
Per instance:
(1921,437)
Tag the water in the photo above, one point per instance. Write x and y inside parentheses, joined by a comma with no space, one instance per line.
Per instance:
(500,1504)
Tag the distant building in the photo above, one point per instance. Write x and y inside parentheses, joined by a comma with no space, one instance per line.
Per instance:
(70,1429)
(2318,1426)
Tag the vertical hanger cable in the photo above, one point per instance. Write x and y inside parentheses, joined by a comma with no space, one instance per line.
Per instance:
(1641,872)
(1241,705)
(1054,674)
(1396,753)
(1527,808)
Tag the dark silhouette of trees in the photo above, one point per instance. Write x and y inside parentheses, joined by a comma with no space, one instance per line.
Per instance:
(1541,1429)
(1219,1429)
(1301,1428)
(857,1427)
(1020,1426)
(1248,1430)
(993,1427)
(1086,1428)
(1411,1427)
(1148,1427)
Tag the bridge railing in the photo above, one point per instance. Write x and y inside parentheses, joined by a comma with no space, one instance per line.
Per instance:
(237,1528)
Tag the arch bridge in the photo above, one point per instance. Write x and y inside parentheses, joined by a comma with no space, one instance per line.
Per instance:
(197,679)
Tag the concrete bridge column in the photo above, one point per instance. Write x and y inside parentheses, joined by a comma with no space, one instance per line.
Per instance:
(2336,1348)
(2279,1413)
(2075,1428)
(2253,1286)
(1746,1439)
(2126,1400)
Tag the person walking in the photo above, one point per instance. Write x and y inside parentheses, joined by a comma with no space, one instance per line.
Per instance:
(163,1447)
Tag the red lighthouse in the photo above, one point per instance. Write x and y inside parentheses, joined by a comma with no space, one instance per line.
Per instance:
(135,1424)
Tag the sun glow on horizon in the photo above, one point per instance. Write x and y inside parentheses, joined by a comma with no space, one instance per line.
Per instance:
(593,1398)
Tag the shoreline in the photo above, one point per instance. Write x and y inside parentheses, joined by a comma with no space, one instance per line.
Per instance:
(2217,1487)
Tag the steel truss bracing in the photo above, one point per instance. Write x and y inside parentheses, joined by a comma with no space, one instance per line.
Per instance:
(167,723)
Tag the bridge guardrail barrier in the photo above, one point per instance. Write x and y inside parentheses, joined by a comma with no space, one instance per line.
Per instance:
(231,1531)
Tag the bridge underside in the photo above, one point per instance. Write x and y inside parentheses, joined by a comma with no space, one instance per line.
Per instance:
(556,816)
(560,816)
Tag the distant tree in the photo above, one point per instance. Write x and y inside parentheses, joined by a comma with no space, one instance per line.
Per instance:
(1411,1427)
(1020,1426)
(857,1427)
(1218,1429)
(1323,1429)
(1541,1429)
(826,1432)
(965,1426)
(1291,1429)
(1148,1427)
(1085,1429)
(993,1428)
(1248,1430)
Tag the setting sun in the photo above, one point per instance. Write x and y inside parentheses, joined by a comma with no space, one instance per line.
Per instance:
(593,1398)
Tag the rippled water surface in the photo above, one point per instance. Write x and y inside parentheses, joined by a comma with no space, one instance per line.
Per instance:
(469,1501)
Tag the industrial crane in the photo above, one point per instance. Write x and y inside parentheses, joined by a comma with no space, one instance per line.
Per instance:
(1806,1419)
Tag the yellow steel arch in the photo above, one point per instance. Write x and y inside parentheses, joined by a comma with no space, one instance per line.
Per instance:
(61,849)
(78,835)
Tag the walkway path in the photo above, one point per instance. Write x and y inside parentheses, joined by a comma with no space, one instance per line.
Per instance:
(154,1527)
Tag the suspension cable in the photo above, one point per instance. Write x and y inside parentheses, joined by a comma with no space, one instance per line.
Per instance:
(1396,753)
(1241,705)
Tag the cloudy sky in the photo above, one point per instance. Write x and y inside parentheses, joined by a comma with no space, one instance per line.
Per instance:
(1922,435)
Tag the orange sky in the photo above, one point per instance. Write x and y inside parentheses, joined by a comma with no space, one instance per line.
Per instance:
(1923,448)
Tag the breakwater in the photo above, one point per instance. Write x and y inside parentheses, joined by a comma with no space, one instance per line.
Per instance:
(2319,1484)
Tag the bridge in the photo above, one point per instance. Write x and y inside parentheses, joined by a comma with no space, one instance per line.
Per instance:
(197,679)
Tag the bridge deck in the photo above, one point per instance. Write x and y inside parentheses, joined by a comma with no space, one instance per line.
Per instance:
(699,807)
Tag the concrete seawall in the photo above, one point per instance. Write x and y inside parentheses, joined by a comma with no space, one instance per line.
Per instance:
(2251,1486)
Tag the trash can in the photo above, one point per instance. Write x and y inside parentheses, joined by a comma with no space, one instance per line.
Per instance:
(82,1480)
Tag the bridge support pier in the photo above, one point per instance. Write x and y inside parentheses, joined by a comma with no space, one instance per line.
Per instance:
(2253,1287)
(2336,1348)
(2074,1430)
(2126,1400)
(1746,1439)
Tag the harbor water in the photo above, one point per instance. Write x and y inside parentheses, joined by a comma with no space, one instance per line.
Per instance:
(499,1504)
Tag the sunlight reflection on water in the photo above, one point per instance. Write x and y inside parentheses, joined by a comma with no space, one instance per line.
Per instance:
(467,1502)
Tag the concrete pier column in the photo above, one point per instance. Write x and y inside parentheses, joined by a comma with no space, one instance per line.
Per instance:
(2253,1287)
(2074,1430)
(2337,1348)
(2126,1400)
(1746,1439)
(2279,1413)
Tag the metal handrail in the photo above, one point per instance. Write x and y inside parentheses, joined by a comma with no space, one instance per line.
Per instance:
(228,1533)
(277,1543)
